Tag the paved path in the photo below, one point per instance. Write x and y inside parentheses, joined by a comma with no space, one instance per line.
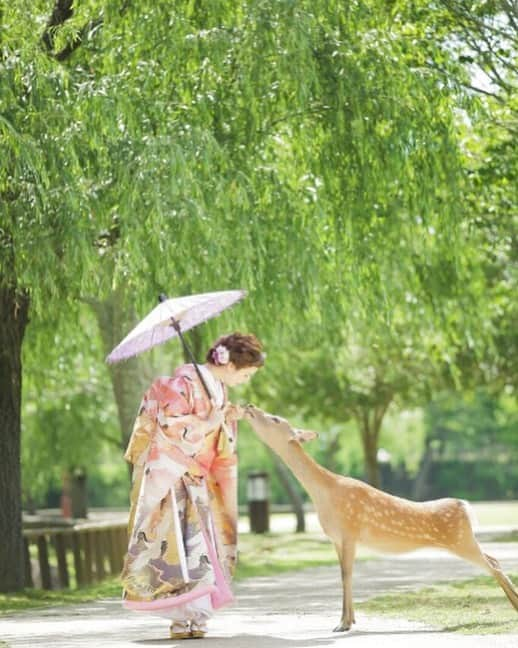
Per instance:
(296,610)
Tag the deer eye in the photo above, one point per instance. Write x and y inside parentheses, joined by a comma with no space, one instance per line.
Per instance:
(275,419)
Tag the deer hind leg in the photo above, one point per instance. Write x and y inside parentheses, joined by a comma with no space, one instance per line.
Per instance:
(472,552)
(346,551)
(504,582)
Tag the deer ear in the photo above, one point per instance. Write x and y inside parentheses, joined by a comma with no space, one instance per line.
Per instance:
(303,435)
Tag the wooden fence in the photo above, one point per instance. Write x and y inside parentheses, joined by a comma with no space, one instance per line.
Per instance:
(75,556)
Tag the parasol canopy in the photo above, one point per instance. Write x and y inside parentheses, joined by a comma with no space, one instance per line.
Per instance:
(171,318)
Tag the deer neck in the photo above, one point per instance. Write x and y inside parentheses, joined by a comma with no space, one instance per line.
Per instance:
(310,474)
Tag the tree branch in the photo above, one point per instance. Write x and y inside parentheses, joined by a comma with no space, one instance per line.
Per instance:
(85,32)
(510,11)
(60,14)
(468,85)
(379,413)
(289,116)
(468,18)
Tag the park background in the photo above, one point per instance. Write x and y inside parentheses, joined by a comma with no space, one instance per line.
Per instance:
(351,166)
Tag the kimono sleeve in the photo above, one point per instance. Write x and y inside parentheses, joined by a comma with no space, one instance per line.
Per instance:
(223,485)
(140,435)
(166,408)
(175,413)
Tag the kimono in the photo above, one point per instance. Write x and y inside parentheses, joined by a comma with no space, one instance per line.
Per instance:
(183,516)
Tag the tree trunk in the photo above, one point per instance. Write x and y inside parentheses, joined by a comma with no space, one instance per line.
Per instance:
(78,492)
(370,454)
(129,378)
(14,308)
(421,484)
(330,455)
(294,496)
(369,421)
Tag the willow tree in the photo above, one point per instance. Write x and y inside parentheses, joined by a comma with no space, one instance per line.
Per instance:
(289,148)
(478,41)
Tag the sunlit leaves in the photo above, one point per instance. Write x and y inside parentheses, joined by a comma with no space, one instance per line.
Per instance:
(319,154)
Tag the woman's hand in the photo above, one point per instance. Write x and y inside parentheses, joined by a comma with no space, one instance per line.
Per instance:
(234,412)
(228,414)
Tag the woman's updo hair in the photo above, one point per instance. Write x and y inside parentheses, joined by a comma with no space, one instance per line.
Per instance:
(243,350)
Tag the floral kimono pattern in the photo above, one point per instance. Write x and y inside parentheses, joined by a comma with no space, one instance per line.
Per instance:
(183,516)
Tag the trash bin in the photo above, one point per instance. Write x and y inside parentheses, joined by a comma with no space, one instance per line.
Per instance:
(258,502)
(78,493)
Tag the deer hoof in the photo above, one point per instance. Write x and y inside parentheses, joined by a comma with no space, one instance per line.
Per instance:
(343,627)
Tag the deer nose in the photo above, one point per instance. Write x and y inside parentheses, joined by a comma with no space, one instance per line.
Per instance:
(250,409)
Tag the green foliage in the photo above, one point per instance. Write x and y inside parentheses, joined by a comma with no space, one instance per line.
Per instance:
(475,479)
(402,436)
(471,423)
(307,166)
(108,481)
(329,157)
(68,413)
(470,438)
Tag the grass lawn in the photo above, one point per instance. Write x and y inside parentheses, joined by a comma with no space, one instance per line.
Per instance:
(475,606)
(259,555)
(34,598)
(507,537)
(273,553)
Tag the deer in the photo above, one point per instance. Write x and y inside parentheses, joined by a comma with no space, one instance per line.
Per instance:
(352,512)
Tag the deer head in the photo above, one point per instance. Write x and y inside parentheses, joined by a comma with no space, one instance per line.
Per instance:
(274,429)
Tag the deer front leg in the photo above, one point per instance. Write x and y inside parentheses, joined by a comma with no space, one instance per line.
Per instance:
(346,553)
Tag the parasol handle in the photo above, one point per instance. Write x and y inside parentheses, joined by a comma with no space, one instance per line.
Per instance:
(176,325)
(195,364)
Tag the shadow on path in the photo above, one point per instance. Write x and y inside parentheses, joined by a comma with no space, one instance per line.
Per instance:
(240,640)
(272,641)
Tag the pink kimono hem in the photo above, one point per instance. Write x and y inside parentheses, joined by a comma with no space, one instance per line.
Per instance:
(222,594)
(170,602)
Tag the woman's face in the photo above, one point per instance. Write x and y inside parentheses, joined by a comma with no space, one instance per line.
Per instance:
(234,376)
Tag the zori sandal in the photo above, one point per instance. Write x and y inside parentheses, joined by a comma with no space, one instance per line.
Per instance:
(180,630)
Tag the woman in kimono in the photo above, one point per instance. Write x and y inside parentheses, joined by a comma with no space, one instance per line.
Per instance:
(183,518)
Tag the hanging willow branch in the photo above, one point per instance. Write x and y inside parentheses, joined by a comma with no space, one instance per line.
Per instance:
(63,11)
